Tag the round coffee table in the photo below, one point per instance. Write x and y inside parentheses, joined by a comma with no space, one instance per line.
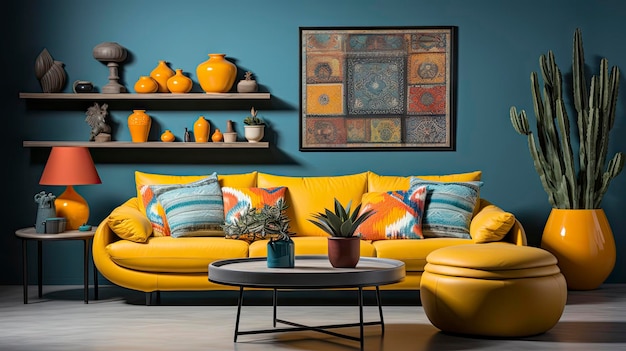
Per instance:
(310,272)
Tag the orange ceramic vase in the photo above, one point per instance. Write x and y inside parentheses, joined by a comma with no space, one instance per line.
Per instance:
(217,136)
(179,83)
(216,75)
(201,130)
(583,243)
(167,136)
(146,85)
(161,73)
(139,123)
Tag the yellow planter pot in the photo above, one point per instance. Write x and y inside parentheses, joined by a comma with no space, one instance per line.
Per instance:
(583,243)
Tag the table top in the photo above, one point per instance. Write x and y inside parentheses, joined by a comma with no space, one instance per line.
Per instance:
(310,272)
(30,233)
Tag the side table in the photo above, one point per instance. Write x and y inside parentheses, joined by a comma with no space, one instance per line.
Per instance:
(27,234)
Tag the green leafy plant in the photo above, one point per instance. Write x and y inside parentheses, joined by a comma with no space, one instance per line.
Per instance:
(569,186)
(253,119)
(261,223)
(342,222)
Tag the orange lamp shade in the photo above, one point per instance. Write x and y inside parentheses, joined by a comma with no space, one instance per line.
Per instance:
(68,165)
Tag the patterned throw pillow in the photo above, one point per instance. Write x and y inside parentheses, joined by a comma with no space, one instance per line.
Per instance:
(193,209)
(398,214)
(449,207)
(154,212)
(238,200)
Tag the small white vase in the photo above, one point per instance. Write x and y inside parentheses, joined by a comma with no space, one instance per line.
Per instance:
(255,133)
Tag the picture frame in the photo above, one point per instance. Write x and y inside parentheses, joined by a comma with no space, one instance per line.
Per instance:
(377,88)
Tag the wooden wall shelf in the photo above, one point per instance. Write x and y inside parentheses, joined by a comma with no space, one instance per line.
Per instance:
(150,145)
(133,96)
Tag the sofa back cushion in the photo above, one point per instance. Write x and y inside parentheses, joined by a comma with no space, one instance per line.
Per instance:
(150,207)
(308,195)
(381,183)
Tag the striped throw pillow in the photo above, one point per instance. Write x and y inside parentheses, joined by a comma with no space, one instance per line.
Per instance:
(193,209)
(449,207)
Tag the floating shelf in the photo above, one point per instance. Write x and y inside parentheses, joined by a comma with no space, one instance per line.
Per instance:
(161,96)
(150,144)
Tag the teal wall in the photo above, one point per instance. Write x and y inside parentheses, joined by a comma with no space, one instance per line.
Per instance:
(499,43)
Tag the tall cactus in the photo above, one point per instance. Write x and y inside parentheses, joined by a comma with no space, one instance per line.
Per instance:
(569,187)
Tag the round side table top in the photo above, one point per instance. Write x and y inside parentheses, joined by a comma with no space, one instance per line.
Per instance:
(310,272)
(30,233)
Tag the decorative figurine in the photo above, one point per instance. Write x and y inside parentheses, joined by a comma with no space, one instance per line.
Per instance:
(112,54)
(187,135)
(97,120)
(45,209)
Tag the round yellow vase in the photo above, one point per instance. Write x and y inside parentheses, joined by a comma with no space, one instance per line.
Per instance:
(583,243)
(167,136)
(216,75)
(201,130)
(179,83)
(139,123)
(146,85)
(161,73)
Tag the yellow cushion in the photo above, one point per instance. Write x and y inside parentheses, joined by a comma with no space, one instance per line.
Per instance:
(232,180)
(130,224)
(413,252)
(491,223)
(174,255)
(308,195)
(381,183)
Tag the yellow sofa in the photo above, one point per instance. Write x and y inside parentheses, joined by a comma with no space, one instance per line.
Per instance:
(180,264)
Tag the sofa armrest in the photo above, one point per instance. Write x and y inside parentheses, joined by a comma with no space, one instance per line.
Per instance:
(516,235)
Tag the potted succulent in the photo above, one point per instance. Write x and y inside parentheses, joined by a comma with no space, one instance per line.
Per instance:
(577,231)
(268,222)
(344,247)
(254,127)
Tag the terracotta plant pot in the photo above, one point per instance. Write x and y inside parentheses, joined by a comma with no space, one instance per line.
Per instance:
(344,252)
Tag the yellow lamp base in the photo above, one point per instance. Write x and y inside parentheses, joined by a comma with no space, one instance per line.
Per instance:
(73,207)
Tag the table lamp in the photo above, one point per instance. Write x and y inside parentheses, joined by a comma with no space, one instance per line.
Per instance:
(68,165)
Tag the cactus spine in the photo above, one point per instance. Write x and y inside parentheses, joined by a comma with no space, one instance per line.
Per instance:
(569,187)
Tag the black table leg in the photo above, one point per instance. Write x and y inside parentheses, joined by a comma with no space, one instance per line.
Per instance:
(40,267)
(239,303)
(361,316)
(380,310)
(25,269)
(85,271)
(95,280)
(274,301)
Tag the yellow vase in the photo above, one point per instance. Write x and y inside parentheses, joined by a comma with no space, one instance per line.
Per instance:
(167,136)
(161,73)
(146,85)
(583,243)
(201,130)
(139,123)
(217,136)
(216,75)
(179,83)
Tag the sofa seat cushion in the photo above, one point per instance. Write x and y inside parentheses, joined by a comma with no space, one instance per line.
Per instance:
(175,255)
(309,195)
(309,245)
(413,252)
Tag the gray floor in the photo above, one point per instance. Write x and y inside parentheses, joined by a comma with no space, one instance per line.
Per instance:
(119,320)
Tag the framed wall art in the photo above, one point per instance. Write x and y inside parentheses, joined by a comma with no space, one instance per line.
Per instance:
(382,88)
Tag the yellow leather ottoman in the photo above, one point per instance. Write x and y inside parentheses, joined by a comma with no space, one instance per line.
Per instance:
(495,289)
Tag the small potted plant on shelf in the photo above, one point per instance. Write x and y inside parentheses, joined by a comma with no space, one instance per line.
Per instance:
(344,247)
(254,127)
(267,222)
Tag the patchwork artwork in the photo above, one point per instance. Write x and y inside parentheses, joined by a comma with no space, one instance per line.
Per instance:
(377,88)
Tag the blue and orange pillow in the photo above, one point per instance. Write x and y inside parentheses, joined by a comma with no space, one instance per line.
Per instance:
(397,214)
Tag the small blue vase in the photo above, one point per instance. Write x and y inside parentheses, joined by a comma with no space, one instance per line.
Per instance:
(281,253)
